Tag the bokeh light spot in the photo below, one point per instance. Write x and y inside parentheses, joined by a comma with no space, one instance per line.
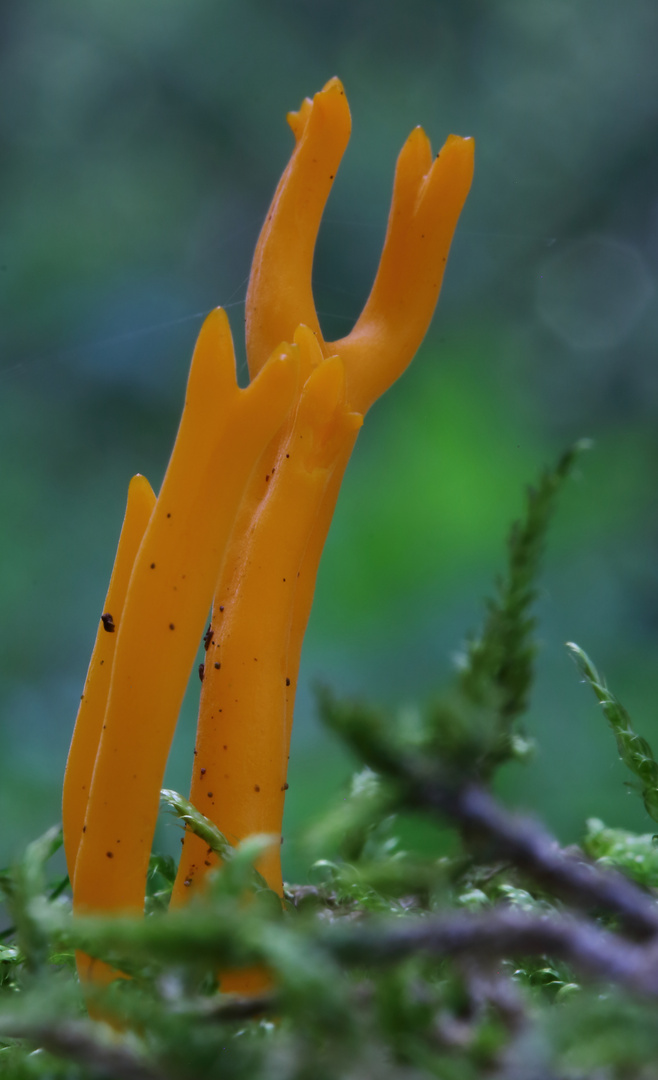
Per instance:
(592,294)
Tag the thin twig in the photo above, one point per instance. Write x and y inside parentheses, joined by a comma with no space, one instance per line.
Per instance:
(527,845)
(76,1040)
(495,934)
(230,1007)
(516,839)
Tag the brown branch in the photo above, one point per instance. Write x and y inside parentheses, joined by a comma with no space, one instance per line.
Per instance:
(77,1040)
(230,1007)
(495,934)
(528,846)
(515,839)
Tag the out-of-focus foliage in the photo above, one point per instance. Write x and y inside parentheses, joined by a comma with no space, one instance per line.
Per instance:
(140,146)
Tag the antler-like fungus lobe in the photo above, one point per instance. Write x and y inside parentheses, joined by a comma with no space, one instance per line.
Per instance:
(222,433)
(428,196)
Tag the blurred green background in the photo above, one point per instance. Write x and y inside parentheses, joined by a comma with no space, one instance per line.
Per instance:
(140,145)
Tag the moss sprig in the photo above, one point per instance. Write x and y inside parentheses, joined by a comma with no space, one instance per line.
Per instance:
(634,750)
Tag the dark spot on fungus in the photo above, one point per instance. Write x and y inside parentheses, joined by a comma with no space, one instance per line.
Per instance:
(84,828)
(285,786)
(267,478)
(168,515)
(287,682)
(203,772)
(206,863)
(217,667)
(108,623)
(225,747)
(187,883)
(202,668)
(221,607)
(102,661)
(210,794)
(207,638)
(256,787)
(109,855)
(152,566)
(171,626)
(287,455)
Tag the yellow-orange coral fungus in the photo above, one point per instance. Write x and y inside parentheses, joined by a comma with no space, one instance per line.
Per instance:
(428,196)
(242,742)
(222,433)
(242,714)
(243,515)
(87,732)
